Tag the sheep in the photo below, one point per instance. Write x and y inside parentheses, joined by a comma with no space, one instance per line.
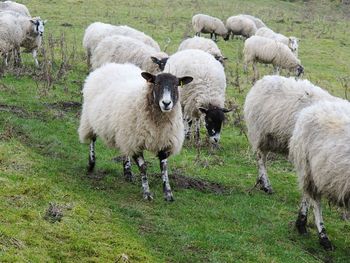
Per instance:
(291,42)
(208,24)
(205,95)
(122,49)
(257,21)
(270,111)
(204,44)
(268,51)
(97,31)
(240,25)
(133,111)
(16,7)
(31,32)
(319,148)
(10,35)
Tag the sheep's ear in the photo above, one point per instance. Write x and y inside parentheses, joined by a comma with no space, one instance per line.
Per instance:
(224,58)
(44,22)
(184,80)
(148,76)
(203,110)
(224,110)
(32,21)
(156,60)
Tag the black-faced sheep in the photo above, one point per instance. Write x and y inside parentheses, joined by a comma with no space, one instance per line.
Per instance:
(133,111)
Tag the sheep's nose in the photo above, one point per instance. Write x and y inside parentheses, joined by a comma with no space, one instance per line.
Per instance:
(216,140)
(166,103)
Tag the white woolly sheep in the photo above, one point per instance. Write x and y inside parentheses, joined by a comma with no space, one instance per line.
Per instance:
(268,51)
(320,148)
(97,31)
(11,36)
(133,114)
(270,111)
(291,42)
(205,95)
(204,44)
(208,24)
(16,7)
(241,25)
(257,21)
(122,49)
(30,36)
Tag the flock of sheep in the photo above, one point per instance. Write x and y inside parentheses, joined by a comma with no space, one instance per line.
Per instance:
(133,102)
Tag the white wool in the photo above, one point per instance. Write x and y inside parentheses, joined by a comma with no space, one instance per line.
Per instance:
(257,21)
(241,25)
(115,108)
(11,34)
(208,24)
(122,49)
(209,80)
(16,7)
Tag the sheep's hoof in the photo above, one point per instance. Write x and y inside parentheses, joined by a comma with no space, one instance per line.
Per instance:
(129,177)
(325,242)
(300,224)
(168,196)
(147,196)
(266,188)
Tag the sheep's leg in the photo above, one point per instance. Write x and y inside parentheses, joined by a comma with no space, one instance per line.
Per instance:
(197,130)
(140,161)
(35,56)
(324,241)
(92,157)
(198,34)
(168,195)
(188,126)
(276,70)
(88,59)
(302,216)
(263,179)
(127,169)
(256,72)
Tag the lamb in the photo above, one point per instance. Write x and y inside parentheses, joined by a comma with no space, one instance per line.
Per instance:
(97,31)
(133,115)
(16,7)
(30,36)
(122,49)
(320,148)
(208,24)
(257,21)
(241,25)
(268,51)
(205,95)
(270,111)
(291,42)
(204,44)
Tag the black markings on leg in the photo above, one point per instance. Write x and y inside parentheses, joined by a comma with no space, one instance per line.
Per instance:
(92,157)
(324,240)
(197,130)
(263,179)
(127,169)
(188,126)
(302,216)
(143,170)
(168,195)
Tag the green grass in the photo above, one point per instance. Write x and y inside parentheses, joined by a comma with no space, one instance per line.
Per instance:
(104,217)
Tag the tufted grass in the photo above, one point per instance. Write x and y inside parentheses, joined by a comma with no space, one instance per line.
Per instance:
(104,217)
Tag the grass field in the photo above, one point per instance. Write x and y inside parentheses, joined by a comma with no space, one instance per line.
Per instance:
(104,218)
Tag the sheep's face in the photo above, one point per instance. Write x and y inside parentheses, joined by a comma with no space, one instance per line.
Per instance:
(160,62)
(293,44)
(39,26)
(165,89)
(214,117)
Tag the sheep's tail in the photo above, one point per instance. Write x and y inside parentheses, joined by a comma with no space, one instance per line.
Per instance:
(167,42)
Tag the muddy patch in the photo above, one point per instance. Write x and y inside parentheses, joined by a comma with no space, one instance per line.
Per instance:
(20,112)
(55,212)
(65,105)
(180,181)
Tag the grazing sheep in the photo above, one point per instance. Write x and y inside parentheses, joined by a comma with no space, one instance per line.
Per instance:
(208,24)
(205,94)
(10,35)
(133,114)
(31,32)
(268,51)
(320,148)
(16,7)
(122,49)
(204,44)
(97,31)
(291,42)
(240,25)
(270,111)
(257,21)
